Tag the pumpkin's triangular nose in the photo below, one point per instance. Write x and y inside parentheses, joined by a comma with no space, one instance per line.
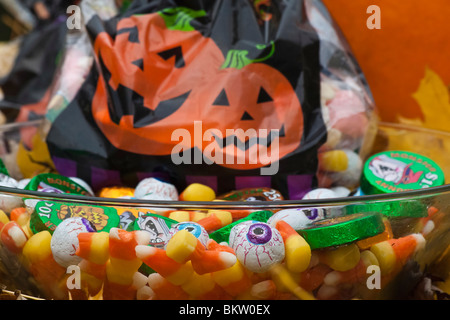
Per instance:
(222,99)
(246,116)
(263,96)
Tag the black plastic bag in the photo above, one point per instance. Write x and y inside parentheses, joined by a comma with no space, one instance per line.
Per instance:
(200,91)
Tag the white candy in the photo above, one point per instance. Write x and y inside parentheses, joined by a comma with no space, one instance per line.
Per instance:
(64,241)
(341,191)
(258,246)
(9,202)
(320,193)
(23,183)
(297,218)
(154,189)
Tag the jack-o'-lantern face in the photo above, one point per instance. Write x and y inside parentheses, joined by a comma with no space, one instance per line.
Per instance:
(178,77)
(243,113)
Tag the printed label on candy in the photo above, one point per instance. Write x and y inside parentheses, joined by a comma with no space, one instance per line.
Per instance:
(158,227)
(47,215)
(253,194)
(395,171)
(50,182)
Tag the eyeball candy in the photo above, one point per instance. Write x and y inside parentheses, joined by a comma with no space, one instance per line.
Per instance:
(154,189)
(258,246)
(297,218)
(196,229)
(64,241)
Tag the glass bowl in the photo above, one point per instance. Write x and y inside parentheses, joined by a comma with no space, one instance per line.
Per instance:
(391,246)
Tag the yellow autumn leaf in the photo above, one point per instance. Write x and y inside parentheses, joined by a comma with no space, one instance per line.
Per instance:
(434,100)
(35,160)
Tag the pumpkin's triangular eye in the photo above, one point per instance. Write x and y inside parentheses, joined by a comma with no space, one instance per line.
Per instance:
(263,96)
(221,100)
(133,34)
(246,116)
(174,52)
(282,132)
(139,63)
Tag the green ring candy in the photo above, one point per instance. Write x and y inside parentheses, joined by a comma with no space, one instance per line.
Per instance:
(342,230)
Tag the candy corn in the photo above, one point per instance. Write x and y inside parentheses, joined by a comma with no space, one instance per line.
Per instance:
(216,219)
(157,259)
(298,251)
(184,246)
(94,249)
(356,274)
(393,254)
(123,262)
(203,287)
(13,237)
(233,280)
(183,216)
(46,271)
(164,289)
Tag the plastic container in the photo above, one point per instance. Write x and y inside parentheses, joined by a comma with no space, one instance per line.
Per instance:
(343,240)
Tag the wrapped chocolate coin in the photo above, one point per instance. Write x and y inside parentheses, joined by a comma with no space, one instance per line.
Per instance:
(342,230)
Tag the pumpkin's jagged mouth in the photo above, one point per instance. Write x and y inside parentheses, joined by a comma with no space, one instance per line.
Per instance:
(251,141)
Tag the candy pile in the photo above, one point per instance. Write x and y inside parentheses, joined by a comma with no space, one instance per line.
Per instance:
(83,251)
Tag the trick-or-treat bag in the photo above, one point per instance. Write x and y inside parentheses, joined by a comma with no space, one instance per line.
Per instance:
(231,94)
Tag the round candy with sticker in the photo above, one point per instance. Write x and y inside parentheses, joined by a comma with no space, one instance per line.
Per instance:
(395,171)
(155,189)
(258,246)
(253,194)
(196,229)
(64,242)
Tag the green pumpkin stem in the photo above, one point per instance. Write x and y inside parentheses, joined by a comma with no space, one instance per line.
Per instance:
(180,18)
(239,58)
